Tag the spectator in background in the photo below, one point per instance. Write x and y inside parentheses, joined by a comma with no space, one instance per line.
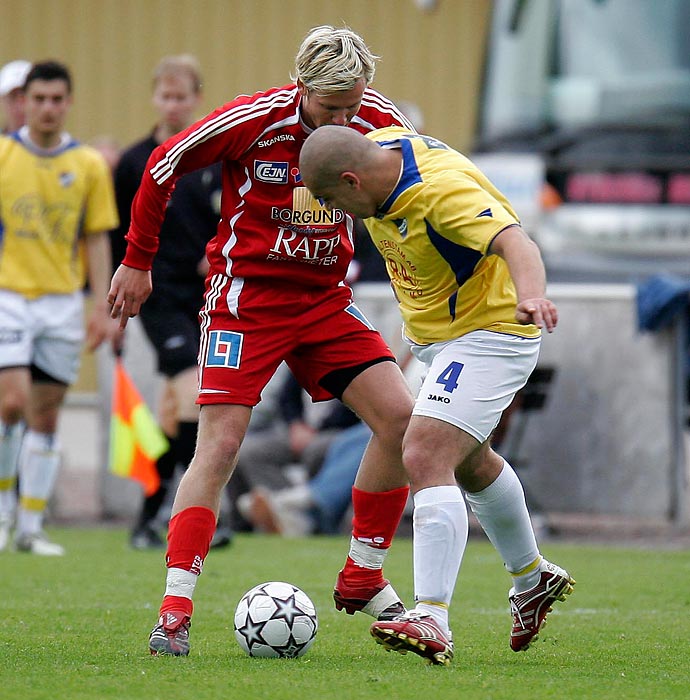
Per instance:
(12,79)
(319,504)
(49,249)
(170,317)
(300,439)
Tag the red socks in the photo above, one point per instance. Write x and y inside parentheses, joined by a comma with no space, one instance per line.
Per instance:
(376,519)
(189,539)
(178,604)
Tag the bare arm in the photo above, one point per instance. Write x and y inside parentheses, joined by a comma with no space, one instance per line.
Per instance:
(527,270)
(99,326)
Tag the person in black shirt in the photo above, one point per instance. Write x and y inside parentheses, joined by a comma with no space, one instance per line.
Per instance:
(170,316)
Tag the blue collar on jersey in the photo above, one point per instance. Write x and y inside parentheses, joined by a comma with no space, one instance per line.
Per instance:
(408,177)
(22,136)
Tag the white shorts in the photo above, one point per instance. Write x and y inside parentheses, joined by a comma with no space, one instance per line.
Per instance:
(471,380)
(47,332)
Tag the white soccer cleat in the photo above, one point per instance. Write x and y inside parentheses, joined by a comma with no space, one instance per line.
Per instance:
(37,543)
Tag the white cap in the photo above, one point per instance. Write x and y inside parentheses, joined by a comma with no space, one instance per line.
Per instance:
(13,75)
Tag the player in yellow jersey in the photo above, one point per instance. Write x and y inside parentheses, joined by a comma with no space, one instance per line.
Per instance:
(56,207)
(471,289)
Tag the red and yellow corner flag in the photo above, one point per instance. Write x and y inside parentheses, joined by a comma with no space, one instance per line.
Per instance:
(136,440)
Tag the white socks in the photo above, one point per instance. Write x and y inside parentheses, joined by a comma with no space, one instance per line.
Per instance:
(502,513)
(440,529)
(39,461)
(10,443)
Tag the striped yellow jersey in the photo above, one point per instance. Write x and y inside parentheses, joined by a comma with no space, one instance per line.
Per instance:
(49,201)
(433,232)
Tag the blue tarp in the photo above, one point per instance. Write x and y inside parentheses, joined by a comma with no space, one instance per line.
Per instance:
(660,299)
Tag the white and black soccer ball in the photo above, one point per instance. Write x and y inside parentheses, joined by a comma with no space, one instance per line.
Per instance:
(275,619)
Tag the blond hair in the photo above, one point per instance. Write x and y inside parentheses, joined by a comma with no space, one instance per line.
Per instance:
(175,65)
(333,60)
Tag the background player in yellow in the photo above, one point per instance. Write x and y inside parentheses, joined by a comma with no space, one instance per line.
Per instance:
(471,290)
(56,207)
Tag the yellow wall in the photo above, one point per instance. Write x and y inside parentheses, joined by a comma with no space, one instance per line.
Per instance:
(431,58)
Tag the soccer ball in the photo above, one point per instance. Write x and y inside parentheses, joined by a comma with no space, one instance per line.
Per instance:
(275,619)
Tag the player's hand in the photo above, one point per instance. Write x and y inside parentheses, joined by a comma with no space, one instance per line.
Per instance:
(129,289)
(541,312)
(100,327)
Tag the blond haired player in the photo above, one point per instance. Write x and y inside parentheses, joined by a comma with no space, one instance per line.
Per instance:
(275,292)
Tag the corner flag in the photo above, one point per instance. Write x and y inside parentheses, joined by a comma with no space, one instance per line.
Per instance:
(136,440)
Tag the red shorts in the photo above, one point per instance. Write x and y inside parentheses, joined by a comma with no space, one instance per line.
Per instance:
(319,333)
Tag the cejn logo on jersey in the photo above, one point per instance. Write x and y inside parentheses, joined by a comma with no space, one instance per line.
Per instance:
(270,171)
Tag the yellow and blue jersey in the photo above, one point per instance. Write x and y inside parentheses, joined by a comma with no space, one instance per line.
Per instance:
(433,232)
(49,202)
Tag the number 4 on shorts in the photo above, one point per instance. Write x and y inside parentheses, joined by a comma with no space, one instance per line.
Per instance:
(450,376)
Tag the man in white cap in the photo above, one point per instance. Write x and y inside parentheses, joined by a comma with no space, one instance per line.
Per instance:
(12,77)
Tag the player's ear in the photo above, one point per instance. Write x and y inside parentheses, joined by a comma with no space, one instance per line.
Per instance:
(350,179)
(302,88)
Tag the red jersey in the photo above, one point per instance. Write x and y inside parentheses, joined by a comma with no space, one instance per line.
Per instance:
(271,228)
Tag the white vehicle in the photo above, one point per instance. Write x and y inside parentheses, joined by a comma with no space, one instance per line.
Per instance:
(585,124)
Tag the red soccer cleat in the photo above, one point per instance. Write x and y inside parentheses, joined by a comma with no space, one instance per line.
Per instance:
(380,601)
(417,633)
(170,637)
(529,609)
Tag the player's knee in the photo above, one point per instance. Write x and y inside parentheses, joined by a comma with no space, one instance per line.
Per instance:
(13,405)
(225,449)
(396,421)
(421,465)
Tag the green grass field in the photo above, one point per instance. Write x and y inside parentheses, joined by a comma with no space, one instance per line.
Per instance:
(77,627)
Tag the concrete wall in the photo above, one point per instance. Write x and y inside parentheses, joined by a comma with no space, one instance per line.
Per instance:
(606,439)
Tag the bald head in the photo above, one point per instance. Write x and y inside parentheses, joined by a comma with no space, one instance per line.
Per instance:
(348,170)
(332,150)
